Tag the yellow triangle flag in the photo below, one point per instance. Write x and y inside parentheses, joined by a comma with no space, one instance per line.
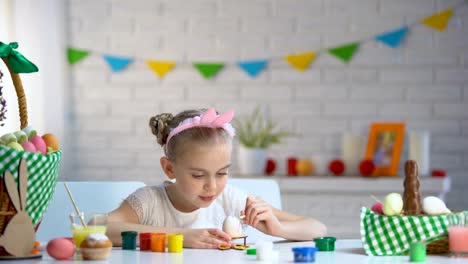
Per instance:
(160,67)
(438,21)
(301,61)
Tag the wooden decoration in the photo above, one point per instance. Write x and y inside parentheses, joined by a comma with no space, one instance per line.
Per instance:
(19,236)
(411,195)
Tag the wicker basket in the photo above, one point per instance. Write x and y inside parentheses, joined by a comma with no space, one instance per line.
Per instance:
(42,170)
(438,247)
(392,235)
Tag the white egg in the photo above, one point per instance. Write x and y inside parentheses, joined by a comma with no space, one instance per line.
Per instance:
(393,204)
(232,226)
(434,206)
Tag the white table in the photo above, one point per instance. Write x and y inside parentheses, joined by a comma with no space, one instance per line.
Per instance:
(347,251)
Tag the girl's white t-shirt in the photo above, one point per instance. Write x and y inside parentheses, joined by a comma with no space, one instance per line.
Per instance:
(153,207)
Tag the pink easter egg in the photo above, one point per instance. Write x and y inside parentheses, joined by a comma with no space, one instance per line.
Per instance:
(40,144)
(60,248)
(28,146)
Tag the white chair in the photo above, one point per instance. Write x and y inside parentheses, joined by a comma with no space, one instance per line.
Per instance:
(269,191)
(99,197)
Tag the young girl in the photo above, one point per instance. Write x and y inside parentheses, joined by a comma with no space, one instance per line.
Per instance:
(198,148)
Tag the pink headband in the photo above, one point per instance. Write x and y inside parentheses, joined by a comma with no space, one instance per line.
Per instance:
(207,119)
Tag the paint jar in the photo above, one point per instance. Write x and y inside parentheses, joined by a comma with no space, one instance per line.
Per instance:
(129,240)
(175,243)
(417,252)
(304,254)
(158,242)
(325,243)
(145,241)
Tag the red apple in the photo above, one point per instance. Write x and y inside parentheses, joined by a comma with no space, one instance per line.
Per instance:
(378,208)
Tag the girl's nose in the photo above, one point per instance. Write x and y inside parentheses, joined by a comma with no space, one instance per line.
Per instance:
(210,184)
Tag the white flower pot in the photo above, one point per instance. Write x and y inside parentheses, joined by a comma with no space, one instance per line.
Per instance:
(252,161)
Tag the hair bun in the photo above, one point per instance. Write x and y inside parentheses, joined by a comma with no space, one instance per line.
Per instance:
(159,125)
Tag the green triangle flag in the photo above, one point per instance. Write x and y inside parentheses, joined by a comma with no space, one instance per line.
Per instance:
(208,70)
(75,55)
(345,52)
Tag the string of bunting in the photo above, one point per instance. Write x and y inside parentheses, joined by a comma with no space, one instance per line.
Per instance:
(299,61)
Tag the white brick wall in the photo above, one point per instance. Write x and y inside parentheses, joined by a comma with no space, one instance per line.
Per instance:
(424,83)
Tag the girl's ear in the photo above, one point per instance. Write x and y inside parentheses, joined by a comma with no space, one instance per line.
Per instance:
(167,167)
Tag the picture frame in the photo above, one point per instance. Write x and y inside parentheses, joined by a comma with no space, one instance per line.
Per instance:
(384,147)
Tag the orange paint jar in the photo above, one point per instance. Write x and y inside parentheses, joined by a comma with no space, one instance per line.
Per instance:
(158,242)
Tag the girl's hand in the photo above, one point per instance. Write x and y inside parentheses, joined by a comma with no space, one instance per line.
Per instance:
(259,214)
(206,238)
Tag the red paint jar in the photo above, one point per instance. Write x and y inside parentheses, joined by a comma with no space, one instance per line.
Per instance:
(145,241)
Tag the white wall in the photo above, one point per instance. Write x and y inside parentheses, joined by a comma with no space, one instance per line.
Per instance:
(424,83)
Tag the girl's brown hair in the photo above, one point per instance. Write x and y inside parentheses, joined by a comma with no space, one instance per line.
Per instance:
(162,124)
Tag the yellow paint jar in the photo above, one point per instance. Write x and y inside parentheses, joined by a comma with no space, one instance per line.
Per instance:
(175,243)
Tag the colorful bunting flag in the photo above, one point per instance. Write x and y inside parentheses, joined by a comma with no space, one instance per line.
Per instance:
(345,52)
(117,64)
(208,70)
(438,21)
(393,38)
(253,68)
(75,55)
(160,67)
(301,61)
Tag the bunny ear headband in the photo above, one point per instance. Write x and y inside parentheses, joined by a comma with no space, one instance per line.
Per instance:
(207,119)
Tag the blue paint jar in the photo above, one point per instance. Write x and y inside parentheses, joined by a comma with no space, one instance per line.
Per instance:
(304,254)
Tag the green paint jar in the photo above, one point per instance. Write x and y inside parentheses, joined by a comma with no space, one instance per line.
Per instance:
(129,240)
(417,252)
(325,243)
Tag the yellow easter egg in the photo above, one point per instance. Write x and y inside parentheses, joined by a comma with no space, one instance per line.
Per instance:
(305,167)
(51,141)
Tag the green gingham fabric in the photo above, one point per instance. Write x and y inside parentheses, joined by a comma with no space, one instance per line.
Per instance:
(392,235)
(42,177)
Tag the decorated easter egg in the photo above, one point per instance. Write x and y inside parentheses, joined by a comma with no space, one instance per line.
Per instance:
(40,144)
(21,136)
(392,204)
(434,206)
(378,208)
(60,248)
(31,132)
(28,146)
(15,145)
(304,167)
(51,141)
(232,226)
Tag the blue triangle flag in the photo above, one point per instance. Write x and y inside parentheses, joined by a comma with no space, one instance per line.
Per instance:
(393,38)
(117,64)
(253,68)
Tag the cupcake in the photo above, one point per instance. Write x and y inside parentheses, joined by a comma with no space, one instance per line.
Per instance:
(95,247)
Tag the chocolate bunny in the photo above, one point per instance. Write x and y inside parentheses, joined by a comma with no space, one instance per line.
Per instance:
(19,236)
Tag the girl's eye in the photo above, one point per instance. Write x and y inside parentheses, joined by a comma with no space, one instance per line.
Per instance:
(220,174)
(197,175)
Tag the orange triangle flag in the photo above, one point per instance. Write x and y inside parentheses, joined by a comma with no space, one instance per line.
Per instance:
(160,67)
(301,61)
(438,21)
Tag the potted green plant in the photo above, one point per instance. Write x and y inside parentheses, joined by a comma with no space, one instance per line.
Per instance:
(255,135)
